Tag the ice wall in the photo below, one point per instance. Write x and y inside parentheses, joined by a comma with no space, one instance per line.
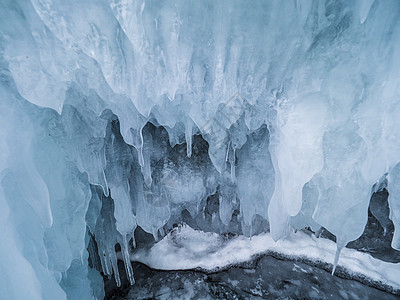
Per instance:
(297,100)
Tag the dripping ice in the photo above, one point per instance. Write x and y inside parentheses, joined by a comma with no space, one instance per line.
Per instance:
(123,116)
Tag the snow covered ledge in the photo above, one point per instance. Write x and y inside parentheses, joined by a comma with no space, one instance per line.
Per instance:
(185,248)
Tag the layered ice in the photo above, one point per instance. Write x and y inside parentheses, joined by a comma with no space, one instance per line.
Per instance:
(123,114)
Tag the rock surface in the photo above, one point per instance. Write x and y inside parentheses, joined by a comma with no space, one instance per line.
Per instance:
(264,277)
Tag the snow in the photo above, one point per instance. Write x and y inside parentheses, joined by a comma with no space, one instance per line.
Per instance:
(185,248)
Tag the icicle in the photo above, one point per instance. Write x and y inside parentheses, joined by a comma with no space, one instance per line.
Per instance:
(145,166)
(227,152)
(338,250)
(141,158)
(137,138)
(146,171)
(189,146)
(162,232)
(105,185)
(189,138)
(105,262)
(213,218)
(232,161)
(233,174)
(133,239)
(127,262)
(155,234)
(114,263)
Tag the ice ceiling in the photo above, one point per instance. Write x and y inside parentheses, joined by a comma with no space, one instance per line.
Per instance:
(122,114)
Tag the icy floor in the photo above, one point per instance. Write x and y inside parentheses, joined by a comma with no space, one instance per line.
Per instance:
(185,248)
(191,264)
(262,278)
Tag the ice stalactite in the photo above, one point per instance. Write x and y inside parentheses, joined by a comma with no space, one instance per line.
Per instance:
(277,116)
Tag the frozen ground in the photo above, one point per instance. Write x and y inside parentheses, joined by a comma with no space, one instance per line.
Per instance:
(185,248)
(190,264)
(266,277)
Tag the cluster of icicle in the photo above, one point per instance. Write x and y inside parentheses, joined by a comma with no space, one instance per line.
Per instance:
(298,102)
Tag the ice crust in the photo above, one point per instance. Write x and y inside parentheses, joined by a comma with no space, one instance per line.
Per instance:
(101,102)
(185,249)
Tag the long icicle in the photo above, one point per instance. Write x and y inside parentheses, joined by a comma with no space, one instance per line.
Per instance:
(337,254)
(189,138)
(127,261)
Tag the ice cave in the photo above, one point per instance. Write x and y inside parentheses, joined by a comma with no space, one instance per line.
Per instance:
(199,149)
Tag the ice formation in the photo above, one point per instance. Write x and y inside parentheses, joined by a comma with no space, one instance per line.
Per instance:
(123,114)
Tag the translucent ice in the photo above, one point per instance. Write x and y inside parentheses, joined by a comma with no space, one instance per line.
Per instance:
(240,115)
